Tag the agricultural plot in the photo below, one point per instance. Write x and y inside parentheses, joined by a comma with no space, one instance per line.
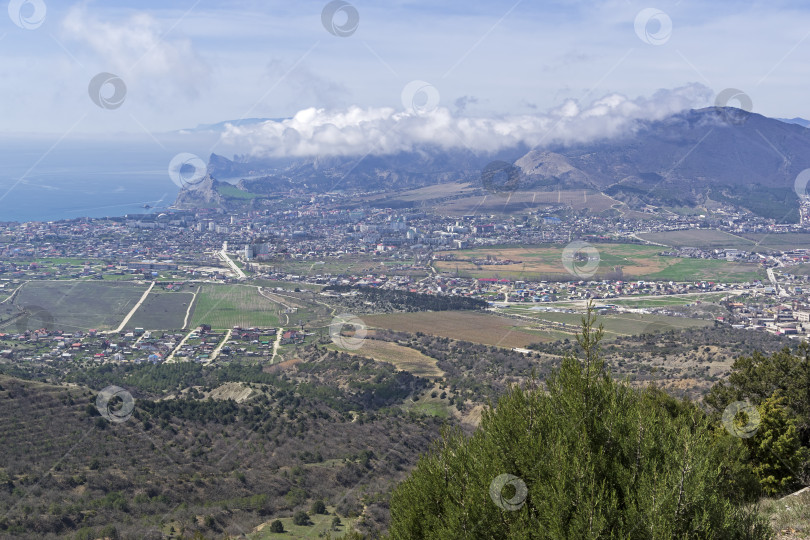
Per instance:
(635,261)
(799,269)
(615,325)
(162,310)
(226,306)
(403,358)
(699,238)
(714,239)
(709,270)
(487,329)
(782,242)
(72,305)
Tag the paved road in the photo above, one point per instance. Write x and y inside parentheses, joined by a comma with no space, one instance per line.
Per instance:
(779,290)
(224,255)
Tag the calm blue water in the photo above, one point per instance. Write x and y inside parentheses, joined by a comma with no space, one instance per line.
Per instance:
(90,177)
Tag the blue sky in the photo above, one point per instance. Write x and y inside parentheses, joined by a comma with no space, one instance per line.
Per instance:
(186,63)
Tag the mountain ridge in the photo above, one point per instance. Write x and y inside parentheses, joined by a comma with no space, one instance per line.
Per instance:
(720,153)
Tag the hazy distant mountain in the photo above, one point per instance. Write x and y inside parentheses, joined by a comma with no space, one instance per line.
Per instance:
(335,173)
(750,161)
(798,121)
(722,154)
(220,126)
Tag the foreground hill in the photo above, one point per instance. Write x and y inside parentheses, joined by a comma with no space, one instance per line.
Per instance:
(192,463)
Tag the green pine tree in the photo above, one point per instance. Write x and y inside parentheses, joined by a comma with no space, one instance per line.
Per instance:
(775,451)
(587,457)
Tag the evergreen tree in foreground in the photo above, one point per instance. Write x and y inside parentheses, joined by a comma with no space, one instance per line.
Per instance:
(587,458)
(775,453)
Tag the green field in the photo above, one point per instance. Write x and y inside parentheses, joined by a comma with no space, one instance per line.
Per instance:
(635,262)
(321,524)
(226,306)
(162,311)
(708,270)
(432,406)
(73,305)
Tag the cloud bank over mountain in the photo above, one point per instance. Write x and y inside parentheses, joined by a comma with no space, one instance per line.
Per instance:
(359,131)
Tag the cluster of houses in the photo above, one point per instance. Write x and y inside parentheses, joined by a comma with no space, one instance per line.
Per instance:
(142,346)
(786,319)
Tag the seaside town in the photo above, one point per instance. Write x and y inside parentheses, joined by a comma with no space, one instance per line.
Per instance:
(410,250)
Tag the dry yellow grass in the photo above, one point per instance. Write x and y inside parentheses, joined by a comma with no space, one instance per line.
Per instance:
(403,358)
(481,328)
(547,260)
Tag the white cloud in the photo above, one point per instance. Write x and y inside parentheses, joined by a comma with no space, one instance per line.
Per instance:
(140,49)
(359,131)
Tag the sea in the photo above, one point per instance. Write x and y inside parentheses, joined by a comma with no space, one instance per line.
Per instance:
(49,179)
